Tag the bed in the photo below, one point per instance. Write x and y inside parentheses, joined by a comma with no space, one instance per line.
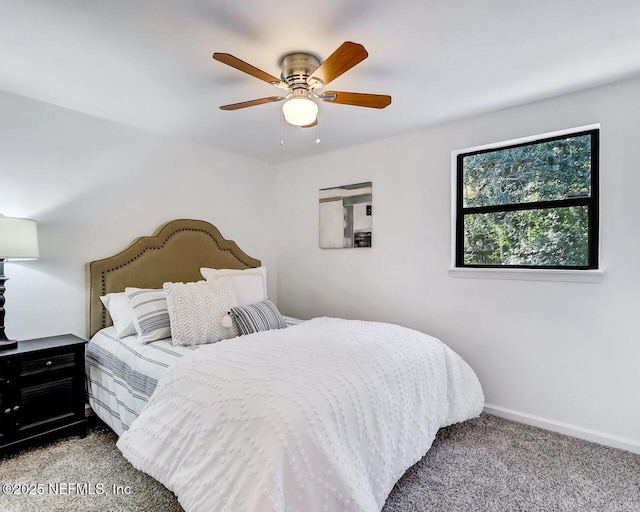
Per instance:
(323,415)
(121,373)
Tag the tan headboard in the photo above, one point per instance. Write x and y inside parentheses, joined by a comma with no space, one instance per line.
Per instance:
(174,253)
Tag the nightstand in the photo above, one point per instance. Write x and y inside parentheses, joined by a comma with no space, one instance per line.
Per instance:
(42,390)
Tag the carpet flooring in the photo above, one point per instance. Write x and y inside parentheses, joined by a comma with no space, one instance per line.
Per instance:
(486,464)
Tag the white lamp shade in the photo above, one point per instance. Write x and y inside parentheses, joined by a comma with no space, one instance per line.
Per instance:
(300,111)
(18,239)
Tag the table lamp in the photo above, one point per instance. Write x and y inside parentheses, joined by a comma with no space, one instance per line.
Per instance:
(18,241)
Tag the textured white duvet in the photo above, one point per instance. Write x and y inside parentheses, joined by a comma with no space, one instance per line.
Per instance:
(323,416)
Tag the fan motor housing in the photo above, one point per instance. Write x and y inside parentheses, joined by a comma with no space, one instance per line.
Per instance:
(296,69)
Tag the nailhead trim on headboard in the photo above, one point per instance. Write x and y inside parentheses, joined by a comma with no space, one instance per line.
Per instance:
(152,245)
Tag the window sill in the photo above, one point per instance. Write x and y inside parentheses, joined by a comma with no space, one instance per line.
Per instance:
(525,274)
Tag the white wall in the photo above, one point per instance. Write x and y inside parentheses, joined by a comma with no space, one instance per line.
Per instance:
(564,352)
(93,186)
(567,352)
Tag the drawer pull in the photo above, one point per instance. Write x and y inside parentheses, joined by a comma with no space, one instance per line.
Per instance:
(7,411)
(48,363)
(16,408)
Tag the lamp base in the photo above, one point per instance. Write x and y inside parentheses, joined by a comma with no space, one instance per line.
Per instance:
(8,344)
(5,343)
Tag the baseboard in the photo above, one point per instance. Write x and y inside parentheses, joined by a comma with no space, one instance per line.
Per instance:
(595,436)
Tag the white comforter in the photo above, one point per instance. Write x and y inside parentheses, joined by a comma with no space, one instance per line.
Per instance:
(323,416)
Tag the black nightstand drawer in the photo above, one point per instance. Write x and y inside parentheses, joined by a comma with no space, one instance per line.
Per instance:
(45,364)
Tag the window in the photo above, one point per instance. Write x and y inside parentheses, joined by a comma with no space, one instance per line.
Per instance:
(530,204)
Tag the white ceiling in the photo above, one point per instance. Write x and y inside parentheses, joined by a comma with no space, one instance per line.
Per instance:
(147,63)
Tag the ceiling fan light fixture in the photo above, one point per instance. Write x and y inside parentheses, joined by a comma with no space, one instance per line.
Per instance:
(300,111)
(301,75)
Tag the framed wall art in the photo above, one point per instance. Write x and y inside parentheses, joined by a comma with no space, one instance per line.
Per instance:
(345,216)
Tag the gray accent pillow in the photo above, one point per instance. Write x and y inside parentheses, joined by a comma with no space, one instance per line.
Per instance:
(261,316)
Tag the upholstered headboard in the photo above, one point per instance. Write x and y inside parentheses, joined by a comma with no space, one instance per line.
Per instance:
(175,253)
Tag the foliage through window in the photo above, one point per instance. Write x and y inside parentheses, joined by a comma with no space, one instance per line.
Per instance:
(529,205)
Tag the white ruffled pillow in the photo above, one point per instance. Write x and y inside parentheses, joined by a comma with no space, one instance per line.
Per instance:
(197,310)
(250,284)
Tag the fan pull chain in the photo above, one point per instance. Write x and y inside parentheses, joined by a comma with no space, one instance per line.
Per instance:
(318,128)
(281,128)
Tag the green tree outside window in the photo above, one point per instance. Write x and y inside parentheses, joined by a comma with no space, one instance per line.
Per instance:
(530,205)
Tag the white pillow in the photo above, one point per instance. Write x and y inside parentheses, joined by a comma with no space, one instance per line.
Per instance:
(150,314)
(250,284)
(121,312)
(196,311)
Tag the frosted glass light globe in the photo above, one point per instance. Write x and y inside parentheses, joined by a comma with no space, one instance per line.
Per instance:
(300,111)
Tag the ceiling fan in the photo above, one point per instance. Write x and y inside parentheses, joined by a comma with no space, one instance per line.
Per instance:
(302,74)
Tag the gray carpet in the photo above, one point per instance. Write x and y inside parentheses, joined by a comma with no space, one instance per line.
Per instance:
(487,464)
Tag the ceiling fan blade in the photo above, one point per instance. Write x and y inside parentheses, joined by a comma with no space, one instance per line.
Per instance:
(343,59)
(241,65)
(357,99)
(310,125)
(252,103)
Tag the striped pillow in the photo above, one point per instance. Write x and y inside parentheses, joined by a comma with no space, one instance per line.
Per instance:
(261,316)
(150,314)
